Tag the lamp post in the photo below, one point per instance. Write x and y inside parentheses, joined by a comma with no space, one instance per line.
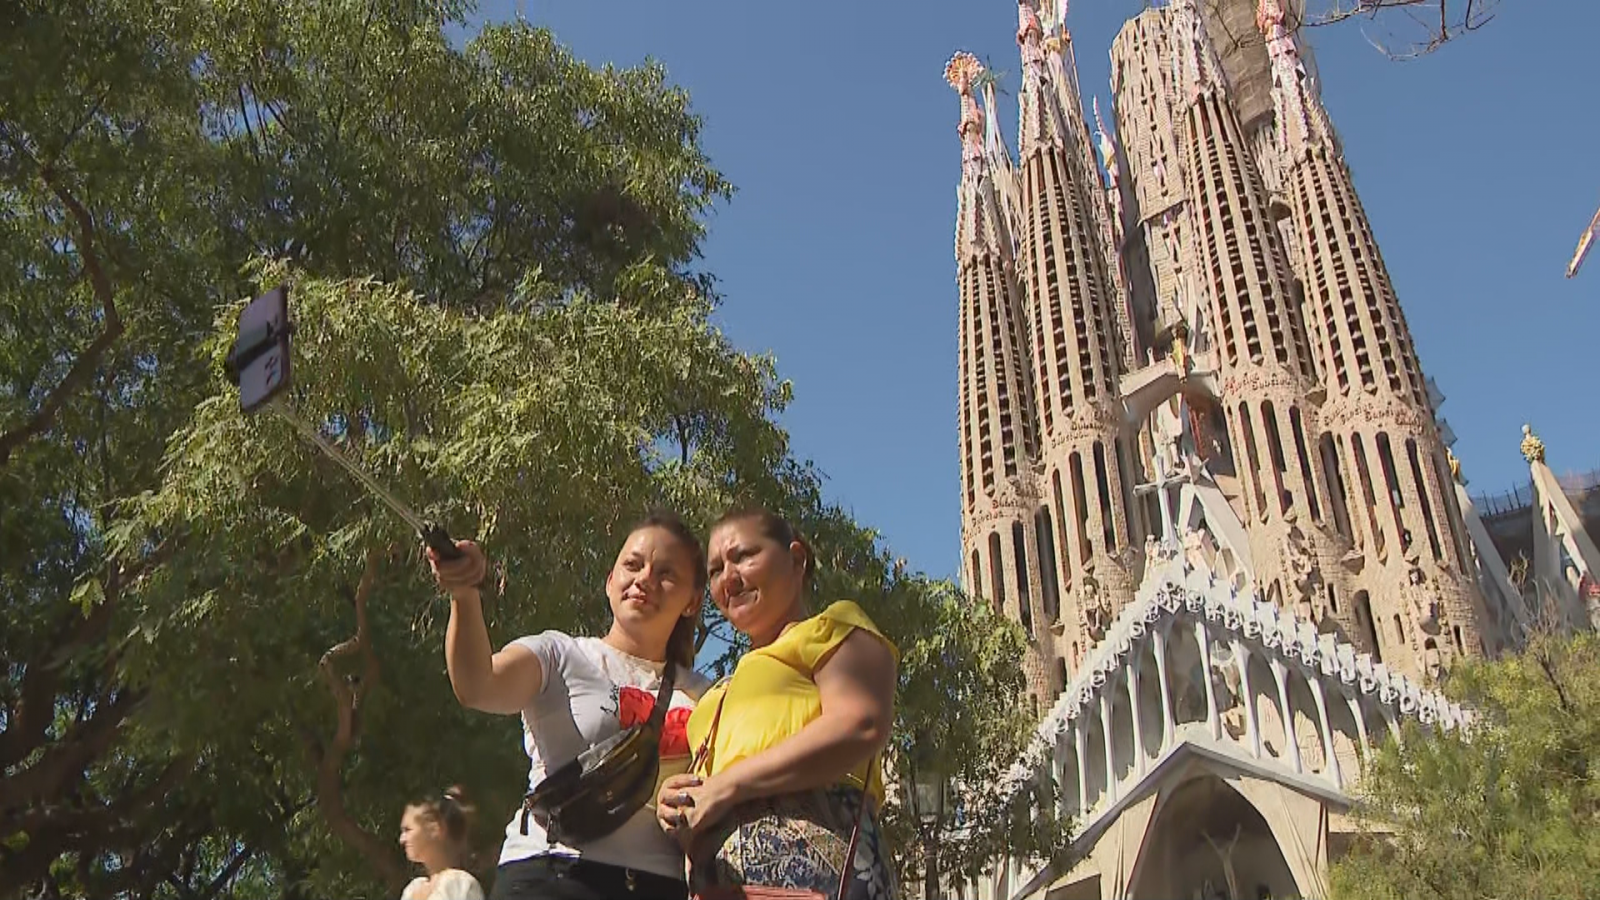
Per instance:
(926,798)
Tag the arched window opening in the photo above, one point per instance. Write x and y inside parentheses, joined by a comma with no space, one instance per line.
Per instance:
(1253,459)
(1453,520)
(1102,476)
(1050,585)
(1368,626)
(1061,673)
(1061,516)
(997,577)
(977,575)
(1333,477)
(1461,646)
(1391,480)
(1128,475)
(1424,504)
(1364,475)
(1333,600)
(1399,632)
(1019,551)
(1299,433)
(1080,501)
(1280,466)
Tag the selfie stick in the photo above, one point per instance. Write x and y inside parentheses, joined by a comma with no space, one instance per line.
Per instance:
(259,365)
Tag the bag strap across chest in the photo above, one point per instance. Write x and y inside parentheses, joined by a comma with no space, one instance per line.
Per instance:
(704,752)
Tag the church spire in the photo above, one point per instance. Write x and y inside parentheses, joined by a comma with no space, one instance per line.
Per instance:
(1043,121)
(981,224)
(1302,120)
(1198,67)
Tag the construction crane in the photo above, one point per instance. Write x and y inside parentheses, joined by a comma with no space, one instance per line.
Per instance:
(1584,243)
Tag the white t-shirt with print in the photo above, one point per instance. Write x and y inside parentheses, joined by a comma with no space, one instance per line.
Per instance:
(451,884)
(591,691)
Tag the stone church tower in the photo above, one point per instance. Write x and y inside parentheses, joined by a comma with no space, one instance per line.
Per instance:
(1210,307)
(1380,445)
(1201,465)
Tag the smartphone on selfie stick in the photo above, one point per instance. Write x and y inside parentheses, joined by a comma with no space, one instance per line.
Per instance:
(259,365)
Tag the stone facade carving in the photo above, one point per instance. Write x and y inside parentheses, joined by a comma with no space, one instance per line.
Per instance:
(1421,603)
(1094,607)
(1300,571)
(1175,597)
(1532,447)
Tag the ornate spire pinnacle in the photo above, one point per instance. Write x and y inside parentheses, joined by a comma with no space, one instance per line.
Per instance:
(1108,158)
(1108,149)
(981,216)
(1030,36)
(1001,171)
(1532,447)
(1196,60)
(962,72)
(1301,119)
(1043,119)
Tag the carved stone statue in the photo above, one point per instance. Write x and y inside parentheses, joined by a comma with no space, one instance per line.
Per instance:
(1194,548)
(1420,602)
(1094,607)
(1300,573)
(1432,662)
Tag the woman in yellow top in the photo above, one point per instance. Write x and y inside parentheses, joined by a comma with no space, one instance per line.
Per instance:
(789,746)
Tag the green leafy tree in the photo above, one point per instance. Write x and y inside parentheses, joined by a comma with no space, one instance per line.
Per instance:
(148,150)
(961,722)
(223,669)
(1508,809)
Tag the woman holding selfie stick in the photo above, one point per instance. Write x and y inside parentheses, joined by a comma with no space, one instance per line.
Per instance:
(788,776)
(574,692)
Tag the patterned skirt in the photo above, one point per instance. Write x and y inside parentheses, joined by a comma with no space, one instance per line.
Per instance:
(797,841)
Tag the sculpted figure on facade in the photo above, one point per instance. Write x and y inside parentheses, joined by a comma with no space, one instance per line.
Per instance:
(1432,661)
(1195,547)
(1094,607)
(1420,601)
(1300,569)
(1227,686)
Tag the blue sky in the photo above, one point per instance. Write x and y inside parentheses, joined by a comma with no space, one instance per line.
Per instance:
(1475,165)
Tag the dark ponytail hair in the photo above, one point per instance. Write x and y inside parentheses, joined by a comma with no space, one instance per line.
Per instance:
(778,530)
(681,645)
(455,816)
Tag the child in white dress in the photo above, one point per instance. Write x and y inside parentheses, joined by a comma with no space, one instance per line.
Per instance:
(434,834)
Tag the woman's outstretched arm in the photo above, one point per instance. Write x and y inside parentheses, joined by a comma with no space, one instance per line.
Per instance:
(491,682)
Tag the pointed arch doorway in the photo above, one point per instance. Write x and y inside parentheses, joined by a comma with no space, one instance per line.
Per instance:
(1210,843)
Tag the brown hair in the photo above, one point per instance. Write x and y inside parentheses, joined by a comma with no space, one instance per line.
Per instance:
(681,645)
(777,529)
(454,815)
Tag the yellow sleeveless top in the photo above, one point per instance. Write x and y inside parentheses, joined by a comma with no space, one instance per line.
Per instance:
(773,694)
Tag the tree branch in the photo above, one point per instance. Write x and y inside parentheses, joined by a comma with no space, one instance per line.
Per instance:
(90,832)
(228,872)
(88,359)
(329,761)
(67,760)
(1455,18)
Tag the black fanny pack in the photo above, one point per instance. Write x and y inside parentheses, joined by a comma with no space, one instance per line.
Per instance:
(592,796)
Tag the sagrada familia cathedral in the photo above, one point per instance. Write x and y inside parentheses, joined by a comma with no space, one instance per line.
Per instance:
(1201,464)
